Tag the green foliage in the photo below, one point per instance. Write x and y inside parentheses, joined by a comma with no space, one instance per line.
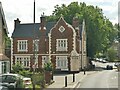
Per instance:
(112,54)
(48,66)
(100,31)
(25,73)
(17,67)
(38,79)
(7,42)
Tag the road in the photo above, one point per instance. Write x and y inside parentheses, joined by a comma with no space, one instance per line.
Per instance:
(100,79)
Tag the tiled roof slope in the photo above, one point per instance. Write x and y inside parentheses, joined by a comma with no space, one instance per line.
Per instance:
(27,30)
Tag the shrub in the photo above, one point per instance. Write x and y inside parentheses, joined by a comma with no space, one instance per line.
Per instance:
(17,67)
(48,66)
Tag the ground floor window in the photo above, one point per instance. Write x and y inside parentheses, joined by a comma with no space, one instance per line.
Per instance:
(4,67)
(61,62)
(44,60)
(24,60)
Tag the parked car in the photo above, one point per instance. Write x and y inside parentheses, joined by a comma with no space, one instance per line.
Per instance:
(27,82)
(109,67)
(3,87)
(13,80)
(104,61)
(117,64)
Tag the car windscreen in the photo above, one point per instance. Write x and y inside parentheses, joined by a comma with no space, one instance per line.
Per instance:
(7,79)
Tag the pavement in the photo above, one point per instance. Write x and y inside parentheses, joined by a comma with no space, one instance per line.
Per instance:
(59,80)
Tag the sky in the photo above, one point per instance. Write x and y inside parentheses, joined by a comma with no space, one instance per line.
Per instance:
(23,9)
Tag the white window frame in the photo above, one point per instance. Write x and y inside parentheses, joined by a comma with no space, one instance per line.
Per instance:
(61,62)
(22,45)
(36,44)
(24,60)
(44,60)
(61,29)
(61,44)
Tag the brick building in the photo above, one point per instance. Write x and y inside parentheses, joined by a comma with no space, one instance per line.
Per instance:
(61,43)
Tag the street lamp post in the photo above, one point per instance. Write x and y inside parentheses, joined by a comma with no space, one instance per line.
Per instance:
(118,41)
(34,42)
(81,53)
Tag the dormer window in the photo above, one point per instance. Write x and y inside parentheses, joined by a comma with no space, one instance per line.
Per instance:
(61,29)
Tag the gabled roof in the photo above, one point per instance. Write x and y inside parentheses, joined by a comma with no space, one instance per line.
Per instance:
(3,18)
(27,30)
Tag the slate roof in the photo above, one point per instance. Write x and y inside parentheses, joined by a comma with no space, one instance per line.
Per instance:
(27,30)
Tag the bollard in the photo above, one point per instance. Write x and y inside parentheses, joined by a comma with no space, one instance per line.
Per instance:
(73,77)
(84,70)
(65,81)
(52,76)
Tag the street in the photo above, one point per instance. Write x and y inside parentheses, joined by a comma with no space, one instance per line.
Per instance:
(101,79)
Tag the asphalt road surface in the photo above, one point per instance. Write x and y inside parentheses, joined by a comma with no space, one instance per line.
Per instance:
(101,79)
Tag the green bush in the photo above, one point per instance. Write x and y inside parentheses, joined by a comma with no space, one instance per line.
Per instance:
(17,67)
(25,73)
(112,54)
(38,79)
(48,66)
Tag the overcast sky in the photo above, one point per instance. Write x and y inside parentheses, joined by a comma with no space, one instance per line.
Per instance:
(23,9)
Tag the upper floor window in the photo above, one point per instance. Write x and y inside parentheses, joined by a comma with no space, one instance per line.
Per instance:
(22,45)
(36,44)
(61,45)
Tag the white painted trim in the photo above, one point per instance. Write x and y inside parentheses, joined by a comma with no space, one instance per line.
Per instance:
(36,44)
(26,41)
(70,26)
(44,60)
(64,54)
(11,53)
(49,35)
(65,23)
(40,54)
(22,60)
(64,58)
(74,41)
(61,48)
(22,54)
(61,29)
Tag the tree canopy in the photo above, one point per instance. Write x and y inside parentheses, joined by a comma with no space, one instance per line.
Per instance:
(100,31)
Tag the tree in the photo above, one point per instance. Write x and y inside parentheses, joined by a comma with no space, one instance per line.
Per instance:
(99,29)
(112,54)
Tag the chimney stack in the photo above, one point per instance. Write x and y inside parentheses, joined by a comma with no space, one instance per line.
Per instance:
(43,21)
(16,22)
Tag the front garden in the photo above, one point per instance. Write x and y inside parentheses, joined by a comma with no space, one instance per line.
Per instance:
(41,77)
